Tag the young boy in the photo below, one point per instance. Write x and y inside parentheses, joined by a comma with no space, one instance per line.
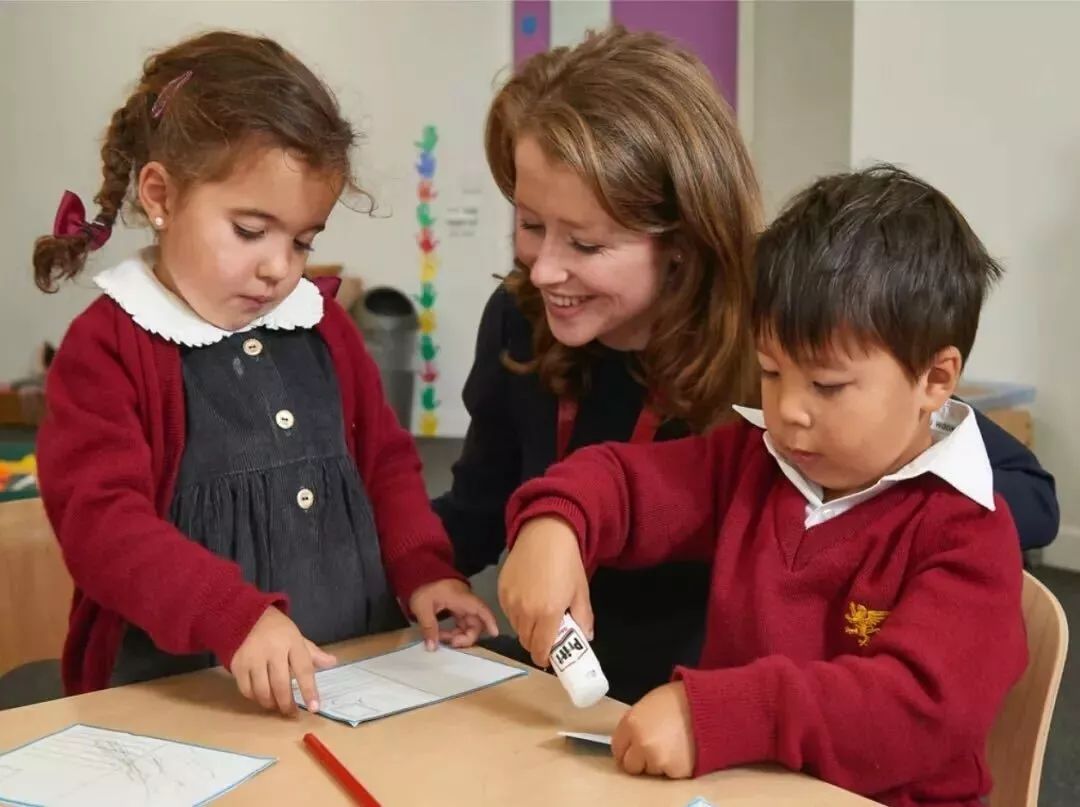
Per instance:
(864,619)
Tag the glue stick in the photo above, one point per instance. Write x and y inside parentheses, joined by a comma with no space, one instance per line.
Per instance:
(576,666)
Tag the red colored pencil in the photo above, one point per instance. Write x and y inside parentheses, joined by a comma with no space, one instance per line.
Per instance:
(340,772)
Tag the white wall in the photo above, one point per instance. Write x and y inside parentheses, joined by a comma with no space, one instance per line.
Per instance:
(44,151)
(570,19)
(796,64)
(980,99)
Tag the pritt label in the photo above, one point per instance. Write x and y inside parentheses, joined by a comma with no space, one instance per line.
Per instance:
(568,648)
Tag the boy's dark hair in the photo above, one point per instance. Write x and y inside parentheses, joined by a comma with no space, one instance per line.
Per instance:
(197,107)
(878,256)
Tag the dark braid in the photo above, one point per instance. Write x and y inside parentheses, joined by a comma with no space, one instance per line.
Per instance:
(118,160)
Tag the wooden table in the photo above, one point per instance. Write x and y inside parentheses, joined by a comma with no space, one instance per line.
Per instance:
(494,747)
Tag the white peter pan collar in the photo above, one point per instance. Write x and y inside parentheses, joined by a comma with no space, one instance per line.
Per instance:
(134,287)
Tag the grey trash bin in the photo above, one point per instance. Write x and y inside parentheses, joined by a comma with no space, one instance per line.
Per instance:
(388,321)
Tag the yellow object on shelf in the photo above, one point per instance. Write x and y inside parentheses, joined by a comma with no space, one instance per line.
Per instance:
(27,466)
(18,478)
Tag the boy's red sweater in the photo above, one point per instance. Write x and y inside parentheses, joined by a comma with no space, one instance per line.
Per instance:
(873,650)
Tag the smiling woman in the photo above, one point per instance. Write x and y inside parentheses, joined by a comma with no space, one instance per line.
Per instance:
(598,279)
(636,210)
(627,316)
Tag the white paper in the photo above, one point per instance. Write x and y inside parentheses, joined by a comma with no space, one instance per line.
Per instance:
(599,739)
(84,766)
(402,680)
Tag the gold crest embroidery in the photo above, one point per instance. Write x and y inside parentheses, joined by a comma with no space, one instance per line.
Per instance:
(862,622)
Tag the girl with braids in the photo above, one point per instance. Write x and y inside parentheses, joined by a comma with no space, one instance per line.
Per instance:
(219,464)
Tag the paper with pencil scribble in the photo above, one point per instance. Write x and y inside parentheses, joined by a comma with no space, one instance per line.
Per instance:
(84,766)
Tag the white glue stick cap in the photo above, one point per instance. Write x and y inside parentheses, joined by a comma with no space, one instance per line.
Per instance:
(576,666)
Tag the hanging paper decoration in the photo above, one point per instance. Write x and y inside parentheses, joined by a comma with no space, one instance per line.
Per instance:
(429,269)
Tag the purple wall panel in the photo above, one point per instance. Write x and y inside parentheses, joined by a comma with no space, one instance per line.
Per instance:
(532,28)
(710,28)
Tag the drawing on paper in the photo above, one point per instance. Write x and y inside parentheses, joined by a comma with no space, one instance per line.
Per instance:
(85,766)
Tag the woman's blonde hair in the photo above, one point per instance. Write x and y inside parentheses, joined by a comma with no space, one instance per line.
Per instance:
(640,120)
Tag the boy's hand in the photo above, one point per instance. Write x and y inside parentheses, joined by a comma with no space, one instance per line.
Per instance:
(656,735)
(274,653)
(470,612)
(542,577)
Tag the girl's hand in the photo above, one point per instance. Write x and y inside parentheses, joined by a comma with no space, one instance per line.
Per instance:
(471,613)
(274,653)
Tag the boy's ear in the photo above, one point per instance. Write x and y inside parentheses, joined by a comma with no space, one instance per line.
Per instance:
(940,381)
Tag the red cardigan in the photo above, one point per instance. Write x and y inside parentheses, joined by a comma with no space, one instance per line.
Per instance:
(794,670)
(109,452)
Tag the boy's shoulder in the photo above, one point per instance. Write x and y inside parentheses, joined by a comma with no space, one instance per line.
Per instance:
(743,432)
(737,446)
(947,520)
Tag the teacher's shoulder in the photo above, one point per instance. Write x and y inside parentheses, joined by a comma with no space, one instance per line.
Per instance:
(503,327)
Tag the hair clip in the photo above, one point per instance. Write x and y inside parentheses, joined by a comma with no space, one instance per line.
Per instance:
(167,93)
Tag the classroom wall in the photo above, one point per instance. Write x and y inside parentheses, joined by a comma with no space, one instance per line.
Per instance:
(978,97)
(797,114)
(38,161)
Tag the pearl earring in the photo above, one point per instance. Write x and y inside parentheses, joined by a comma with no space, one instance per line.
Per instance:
(159,222)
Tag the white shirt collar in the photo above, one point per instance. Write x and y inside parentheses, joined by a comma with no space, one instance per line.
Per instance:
(134,287)
(957,456)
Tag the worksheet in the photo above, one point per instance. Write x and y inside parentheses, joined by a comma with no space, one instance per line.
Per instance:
(402,680)
(85,766)
(586,737)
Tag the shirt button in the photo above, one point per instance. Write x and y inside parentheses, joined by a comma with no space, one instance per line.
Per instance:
(305,498)
(284,419)
(253,347)
(826,513)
